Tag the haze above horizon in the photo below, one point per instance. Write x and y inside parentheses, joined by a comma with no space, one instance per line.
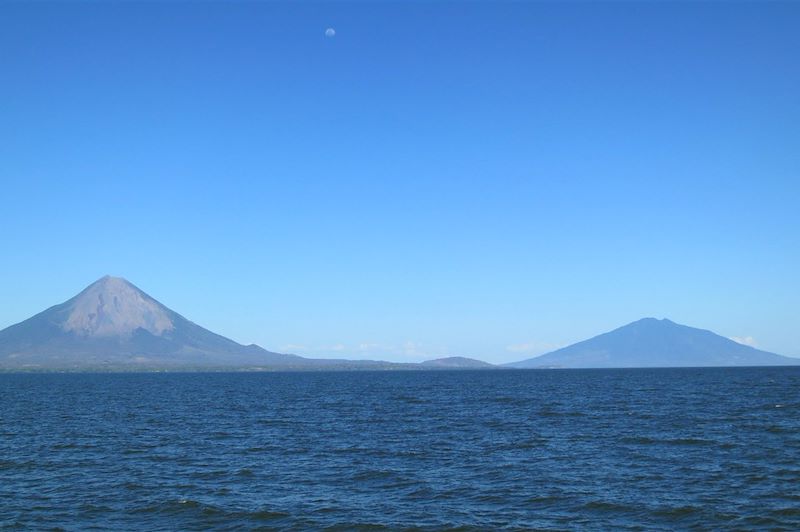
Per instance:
(481,180)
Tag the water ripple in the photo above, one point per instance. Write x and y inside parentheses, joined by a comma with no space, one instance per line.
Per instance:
(517,450)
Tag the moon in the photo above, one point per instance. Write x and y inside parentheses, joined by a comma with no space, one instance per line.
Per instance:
(330,32)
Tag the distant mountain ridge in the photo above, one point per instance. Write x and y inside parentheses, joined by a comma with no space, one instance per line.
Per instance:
(456,362)
(112,324)
(650,342)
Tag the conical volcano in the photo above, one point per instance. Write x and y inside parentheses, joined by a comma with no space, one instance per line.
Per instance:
(111,323)
(114,307)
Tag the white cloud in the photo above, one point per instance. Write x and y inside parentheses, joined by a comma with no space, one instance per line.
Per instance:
(408,351)
(301,349)
(371,347)
(745,340)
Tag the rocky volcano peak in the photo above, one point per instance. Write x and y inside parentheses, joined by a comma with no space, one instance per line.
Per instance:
(112,323)
(111,306)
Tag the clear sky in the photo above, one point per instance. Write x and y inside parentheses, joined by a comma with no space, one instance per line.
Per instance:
(481,179)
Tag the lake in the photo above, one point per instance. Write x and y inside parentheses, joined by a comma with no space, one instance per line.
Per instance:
(548,449)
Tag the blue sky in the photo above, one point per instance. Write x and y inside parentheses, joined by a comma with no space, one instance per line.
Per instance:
(480,179)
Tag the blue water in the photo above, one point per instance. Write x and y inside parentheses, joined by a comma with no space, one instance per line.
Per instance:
(561,449)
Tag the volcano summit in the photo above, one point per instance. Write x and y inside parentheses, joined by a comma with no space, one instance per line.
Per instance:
(114,323)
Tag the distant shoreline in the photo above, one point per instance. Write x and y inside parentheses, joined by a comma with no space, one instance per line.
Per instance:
(410,368)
